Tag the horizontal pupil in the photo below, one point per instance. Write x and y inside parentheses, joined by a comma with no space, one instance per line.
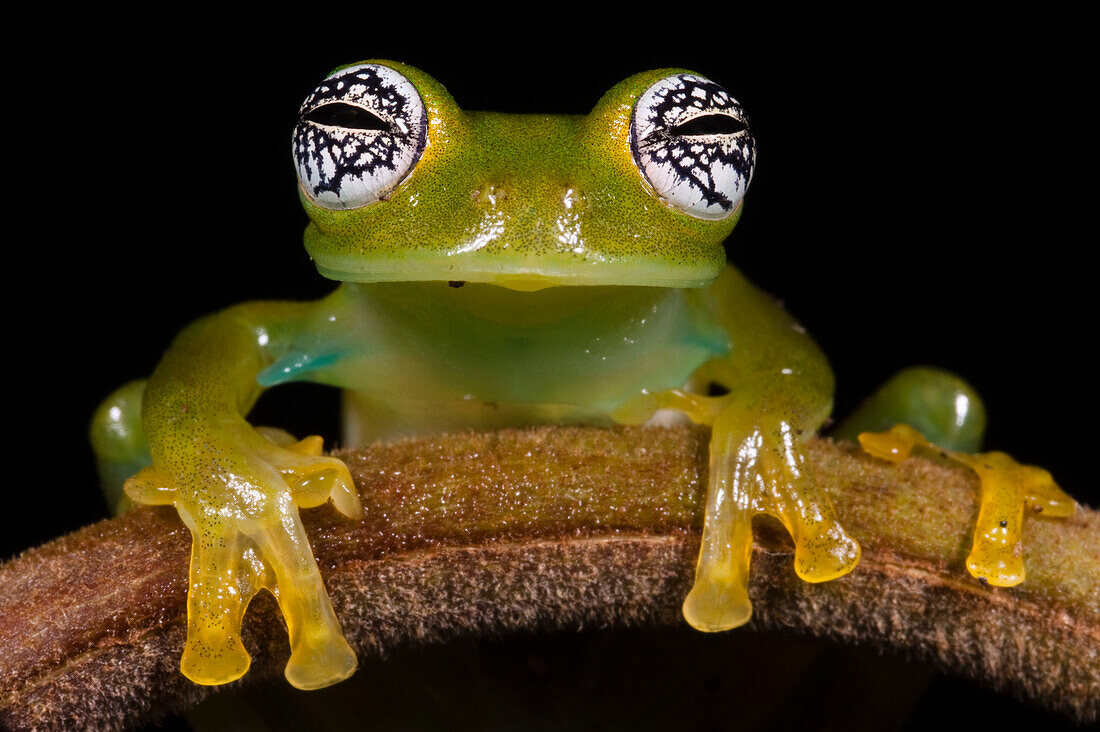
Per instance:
(338,114)
(710,124)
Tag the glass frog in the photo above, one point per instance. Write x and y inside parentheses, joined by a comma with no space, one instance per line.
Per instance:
(495,270)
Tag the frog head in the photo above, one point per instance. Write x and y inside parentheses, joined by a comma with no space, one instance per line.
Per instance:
(401,184)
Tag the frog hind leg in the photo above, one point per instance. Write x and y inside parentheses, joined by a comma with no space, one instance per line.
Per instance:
(936,403)
(119,443)
(930,410)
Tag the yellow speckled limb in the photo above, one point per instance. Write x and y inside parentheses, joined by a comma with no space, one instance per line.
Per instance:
(756,466)
(780,391)
(1007,487)
(238,489)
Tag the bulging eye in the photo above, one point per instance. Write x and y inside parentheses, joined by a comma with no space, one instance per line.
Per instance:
(691,141)
(359,134)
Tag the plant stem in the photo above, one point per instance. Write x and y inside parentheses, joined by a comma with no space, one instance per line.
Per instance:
(479,533)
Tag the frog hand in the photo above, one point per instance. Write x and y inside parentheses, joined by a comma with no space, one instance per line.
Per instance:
(247,536)
(756,466)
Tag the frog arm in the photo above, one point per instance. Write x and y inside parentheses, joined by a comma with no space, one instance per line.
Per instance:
(239,490)
(780,391)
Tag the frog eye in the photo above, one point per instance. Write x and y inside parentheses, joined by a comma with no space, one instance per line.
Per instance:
(359,134)
(691,141)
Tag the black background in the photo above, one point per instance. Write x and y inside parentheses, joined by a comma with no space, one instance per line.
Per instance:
(925,193)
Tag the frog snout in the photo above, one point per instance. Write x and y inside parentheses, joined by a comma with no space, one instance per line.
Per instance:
(529,197)
(490,194)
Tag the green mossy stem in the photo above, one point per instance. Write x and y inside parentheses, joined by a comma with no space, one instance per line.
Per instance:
(478,533)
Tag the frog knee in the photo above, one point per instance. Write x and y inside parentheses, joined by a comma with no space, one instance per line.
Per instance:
(937,403)
(118,441)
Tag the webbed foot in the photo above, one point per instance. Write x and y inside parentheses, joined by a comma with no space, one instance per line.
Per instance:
(247,536)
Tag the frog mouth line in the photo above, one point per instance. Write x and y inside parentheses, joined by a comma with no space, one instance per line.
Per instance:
(517,276)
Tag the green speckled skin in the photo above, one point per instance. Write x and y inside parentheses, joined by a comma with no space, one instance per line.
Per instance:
(938,404)
(522,200)
(586,297)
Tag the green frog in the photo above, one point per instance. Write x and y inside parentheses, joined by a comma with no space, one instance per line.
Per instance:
(495,270)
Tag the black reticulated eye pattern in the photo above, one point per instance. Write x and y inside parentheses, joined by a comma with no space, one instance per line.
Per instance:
(358,125)
(693,127)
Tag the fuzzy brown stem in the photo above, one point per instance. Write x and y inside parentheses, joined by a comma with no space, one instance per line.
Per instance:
(555,527)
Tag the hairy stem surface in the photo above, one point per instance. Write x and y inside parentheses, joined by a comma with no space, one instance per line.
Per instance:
(479,533)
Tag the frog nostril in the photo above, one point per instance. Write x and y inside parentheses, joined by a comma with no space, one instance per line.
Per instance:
(489,194)
(573,199)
